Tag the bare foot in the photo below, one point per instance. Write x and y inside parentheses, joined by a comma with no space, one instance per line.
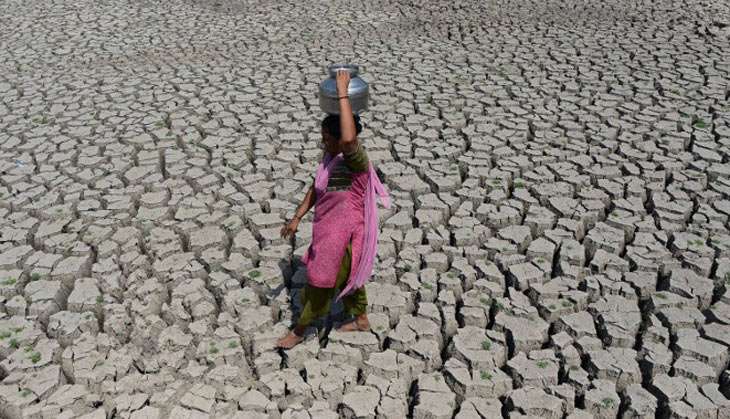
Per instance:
(359,324)
(289,341)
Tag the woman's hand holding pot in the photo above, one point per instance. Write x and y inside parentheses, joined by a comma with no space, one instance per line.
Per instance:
(343,82)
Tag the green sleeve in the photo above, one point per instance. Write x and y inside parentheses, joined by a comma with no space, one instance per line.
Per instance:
(357,161)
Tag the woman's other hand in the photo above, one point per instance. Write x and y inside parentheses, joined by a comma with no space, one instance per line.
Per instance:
(290,228)
(343,82)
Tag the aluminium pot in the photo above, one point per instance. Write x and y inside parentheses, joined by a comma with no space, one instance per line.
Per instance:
(358,90)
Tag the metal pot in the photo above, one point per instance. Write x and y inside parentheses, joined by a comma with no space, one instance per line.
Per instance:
(358,90)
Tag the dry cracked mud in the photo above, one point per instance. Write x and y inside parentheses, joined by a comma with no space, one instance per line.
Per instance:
(558,245)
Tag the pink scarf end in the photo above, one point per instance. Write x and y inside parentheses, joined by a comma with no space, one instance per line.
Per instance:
(375,190)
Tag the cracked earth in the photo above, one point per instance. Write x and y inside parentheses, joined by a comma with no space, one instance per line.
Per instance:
(558,245)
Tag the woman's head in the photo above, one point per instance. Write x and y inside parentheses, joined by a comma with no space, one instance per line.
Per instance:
(331,134)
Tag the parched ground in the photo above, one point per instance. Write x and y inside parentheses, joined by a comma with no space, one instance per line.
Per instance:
(558,245)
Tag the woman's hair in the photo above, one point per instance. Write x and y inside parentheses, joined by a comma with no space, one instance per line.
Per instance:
(332,124)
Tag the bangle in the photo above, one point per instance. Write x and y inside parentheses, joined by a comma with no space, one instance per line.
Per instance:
(343,97)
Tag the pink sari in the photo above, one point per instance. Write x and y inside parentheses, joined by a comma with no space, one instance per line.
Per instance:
(362,266)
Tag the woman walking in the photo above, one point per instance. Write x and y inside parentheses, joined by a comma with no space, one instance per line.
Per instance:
(345,227)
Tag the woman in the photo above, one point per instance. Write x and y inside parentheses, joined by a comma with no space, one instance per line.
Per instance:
(345,227)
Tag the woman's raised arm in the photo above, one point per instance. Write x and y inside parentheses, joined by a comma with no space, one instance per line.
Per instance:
(347,121)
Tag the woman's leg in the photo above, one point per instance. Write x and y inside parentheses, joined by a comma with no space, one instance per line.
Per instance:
(315,304)
(317,301)
(355,304)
